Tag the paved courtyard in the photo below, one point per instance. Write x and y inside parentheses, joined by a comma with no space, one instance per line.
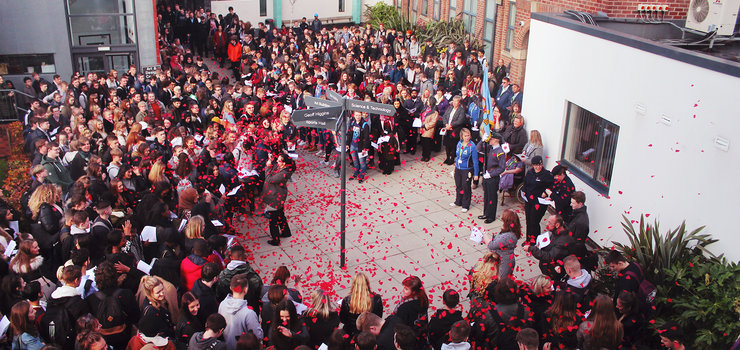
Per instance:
(397,225)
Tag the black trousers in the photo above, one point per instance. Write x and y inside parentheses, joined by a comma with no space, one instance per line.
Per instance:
(426,147)
(463,190)
(534,212)
(490,196)
(278,224)
(450,144)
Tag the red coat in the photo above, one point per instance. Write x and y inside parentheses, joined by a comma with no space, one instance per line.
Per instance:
(190,270)
(136,343)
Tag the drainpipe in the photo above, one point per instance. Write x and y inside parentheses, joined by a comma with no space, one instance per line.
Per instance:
(356,11)
(277,13)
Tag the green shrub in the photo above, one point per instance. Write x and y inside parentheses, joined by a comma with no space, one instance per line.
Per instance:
(655,252)
(389,16)
(703,298)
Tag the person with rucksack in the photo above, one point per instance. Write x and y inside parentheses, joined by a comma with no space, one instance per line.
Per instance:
(63,309)
(630,279)
(239,265)
(509,316)
(114,307)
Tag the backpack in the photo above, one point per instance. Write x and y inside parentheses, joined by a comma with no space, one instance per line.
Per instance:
(505,336)
(647,292)
(57,324)
(109,311)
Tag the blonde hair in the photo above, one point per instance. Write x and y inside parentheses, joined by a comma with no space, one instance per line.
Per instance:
(47,193)
(535,138)
(149,283)
(321,304)
(156,173)
(195,227)
(360,295)
(541,284)
(485,272)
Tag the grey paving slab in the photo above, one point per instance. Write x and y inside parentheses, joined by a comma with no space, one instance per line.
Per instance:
(397,225)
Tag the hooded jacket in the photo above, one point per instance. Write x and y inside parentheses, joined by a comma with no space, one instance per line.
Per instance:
(240,318)
(198,343)
(190,270)
(58,173)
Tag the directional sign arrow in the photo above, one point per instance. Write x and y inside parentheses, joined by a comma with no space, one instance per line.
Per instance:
(333,95)
(313,102)
(370,107)
(323,118)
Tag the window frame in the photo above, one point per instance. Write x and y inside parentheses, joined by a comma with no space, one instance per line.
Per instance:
(470,14)
(584,175)
(511,26)
(437,10)
(22,61)
(453,9)
(425,8)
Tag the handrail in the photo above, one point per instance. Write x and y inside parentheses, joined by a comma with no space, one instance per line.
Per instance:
(17,91)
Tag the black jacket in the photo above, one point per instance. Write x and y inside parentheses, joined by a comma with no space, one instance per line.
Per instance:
(439,326)
(349,319)
(553,254)
(516,137)
(47,227)
(535,184)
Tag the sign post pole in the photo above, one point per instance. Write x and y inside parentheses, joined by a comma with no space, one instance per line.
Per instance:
(343,190)
(320,117)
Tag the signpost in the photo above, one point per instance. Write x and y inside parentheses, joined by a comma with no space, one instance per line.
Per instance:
(322,118)
(313,102)
(323,115)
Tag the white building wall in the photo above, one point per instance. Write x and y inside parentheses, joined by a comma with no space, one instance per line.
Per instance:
(672,173)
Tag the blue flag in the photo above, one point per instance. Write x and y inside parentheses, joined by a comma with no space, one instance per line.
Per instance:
(488,122)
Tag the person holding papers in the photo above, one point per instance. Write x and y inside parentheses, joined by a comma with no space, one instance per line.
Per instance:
(536,181)
(466,165)
(552,247)
(388,148)
(427,129)
(275,193)
(358,134)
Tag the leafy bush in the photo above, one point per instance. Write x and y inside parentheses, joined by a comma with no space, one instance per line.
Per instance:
(440,32)
(702,297)
(389,16)
(655,252)
(15,182)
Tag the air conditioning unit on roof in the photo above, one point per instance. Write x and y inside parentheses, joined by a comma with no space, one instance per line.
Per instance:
(708,15)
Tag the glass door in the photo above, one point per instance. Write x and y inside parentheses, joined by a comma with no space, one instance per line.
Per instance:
(103,63)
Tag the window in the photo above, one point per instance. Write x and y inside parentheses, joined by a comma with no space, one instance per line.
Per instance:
(469,12)
(589,147)
(263,7)
(437,8)
(424,7)
(511,28)
(414,10)
(27,64)
(453,8)
(489,29)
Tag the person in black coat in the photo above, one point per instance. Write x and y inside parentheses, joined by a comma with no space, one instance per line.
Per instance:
(189,322)
(321,318)
(515,135)
(561,192)
(204,290)
(578,226)
(536,181)
(114,307)
(443,319)
(551,254)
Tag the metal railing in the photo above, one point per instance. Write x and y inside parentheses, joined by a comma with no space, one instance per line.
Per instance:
(10,111)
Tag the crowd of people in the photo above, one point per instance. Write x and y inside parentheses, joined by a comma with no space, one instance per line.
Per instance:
(126,235)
